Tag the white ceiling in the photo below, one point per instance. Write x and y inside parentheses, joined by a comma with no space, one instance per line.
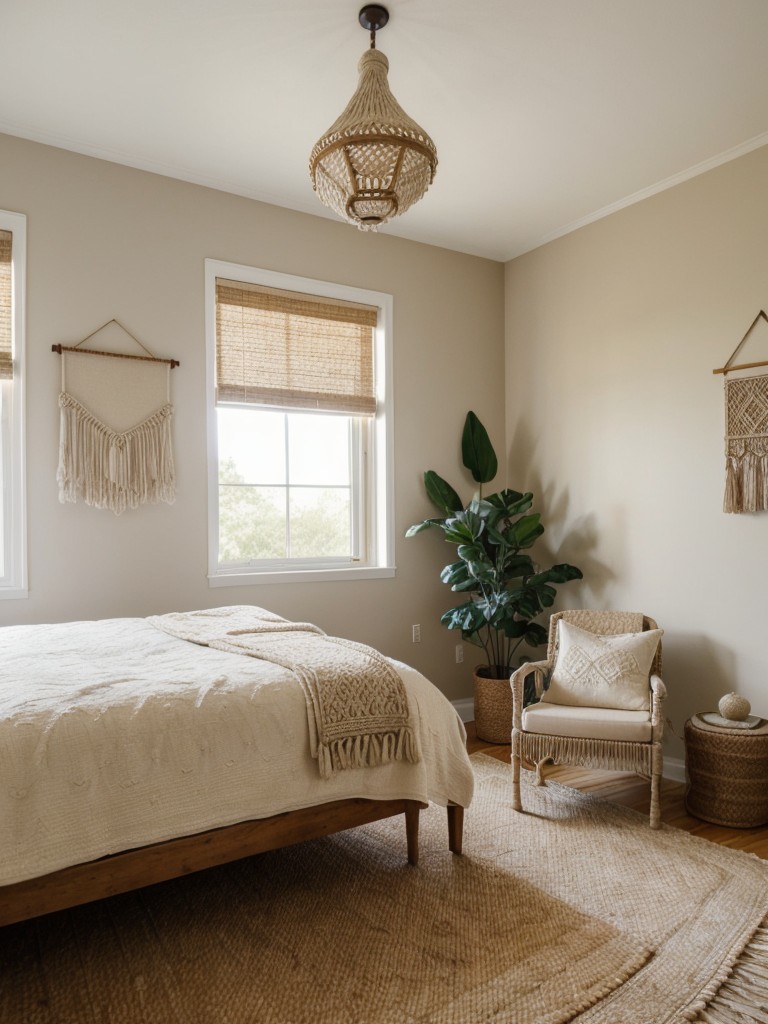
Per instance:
(545,113)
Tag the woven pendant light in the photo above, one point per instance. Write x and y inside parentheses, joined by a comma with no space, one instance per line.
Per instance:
(374,162)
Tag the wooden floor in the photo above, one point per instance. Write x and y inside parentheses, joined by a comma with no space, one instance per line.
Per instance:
(632,791)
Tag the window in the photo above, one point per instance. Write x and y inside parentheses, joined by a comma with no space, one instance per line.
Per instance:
(299,428)
(13,567)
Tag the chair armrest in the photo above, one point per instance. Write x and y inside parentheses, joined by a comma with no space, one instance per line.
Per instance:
(658,696)
(517,682)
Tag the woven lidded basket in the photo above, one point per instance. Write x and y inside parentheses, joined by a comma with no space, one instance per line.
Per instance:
(493,709)
(727,775)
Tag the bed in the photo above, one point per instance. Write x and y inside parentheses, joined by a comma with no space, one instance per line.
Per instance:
(130,754)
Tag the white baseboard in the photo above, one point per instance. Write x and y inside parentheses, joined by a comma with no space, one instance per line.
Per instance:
(674,767)
(465,708)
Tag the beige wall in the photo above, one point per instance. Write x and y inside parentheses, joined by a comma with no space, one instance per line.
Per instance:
(108,241)
(615,419)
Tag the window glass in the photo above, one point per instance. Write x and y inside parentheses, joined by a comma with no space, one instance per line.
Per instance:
(251,446)
(284,486)
(319,447)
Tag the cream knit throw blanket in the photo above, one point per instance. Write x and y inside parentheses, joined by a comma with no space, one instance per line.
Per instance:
(356,702)
(115,432)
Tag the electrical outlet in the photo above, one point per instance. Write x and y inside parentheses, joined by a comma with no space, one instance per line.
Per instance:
(459,653)
(416,634)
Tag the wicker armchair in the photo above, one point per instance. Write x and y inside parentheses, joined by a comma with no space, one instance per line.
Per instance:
(591,737)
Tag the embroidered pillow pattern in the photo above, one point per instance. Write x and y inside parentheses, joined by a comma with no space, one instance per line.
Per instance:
(602,671)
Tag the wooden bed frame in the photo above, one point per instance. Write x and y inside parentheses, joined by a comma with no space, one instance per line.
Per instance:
(122,872)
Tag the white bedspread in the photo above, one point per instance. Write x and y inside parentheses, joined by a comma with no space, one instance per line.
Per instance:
(114,734)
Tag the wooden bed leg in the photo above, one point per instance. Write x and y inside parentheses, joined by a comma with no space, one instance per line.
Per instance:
(455,827)
(412,808)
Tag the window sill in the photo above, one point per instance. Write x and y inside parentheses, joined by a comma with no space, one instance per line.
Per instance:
(249,579)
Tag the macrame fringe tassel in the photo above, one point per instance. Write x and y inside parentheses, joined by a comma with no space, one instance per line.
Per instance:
(746,483)
(367,751)
(614,755)
(732,499)
(741,996)
(110,470)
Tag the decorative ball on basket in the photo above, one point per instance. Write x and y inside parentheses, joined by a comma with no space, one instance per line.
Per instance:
(734,707)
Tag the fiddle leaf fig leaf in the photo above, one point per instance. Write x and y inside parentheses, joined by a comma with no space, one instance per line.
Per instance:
(477,451)
(441,494)
(517,566)
(510,503)
(535,634)
(526,530)
(418,527)
(556,574)
(456,574)
(467,617)
(458,532)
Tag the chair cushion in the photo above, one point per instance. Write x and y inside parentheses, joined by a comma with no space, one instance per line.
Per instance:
(588,723)
(602,671)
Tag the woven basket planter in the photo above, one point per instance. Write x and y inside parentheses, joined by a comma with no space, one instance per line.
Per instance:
(493,708)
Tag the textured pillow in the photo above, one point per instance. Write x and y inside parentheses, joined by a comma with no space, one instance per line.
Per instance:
(602,671)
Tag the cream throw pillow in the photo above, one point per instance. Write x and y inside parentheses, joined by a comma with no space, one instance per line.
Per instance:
(602,671)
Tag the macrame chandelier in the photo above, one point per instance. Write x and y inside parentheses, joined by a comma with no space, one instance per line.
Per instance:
(374,162)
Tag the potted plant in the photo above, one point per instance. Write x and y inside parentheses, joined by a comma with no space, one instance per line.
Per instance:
(504,590)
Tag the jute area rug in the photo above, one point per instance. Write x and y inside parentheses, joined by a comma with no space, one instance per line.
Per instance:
(574,912)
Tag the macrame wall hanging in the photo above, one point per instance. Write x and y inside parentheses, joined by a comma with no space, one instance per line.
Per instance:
(746,432)
(115,427)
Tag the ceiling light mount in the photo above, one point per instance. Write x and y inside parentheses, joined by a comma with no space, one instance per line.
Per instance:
(374,162)
(373,17)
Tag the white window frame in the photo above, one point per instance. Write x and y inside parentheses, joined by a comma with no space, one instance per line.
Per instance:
(379,475)
(13,583)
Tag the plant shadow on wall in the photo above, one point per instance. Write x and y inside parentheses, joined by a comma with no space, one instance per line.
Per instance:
(583,534)
(504,589)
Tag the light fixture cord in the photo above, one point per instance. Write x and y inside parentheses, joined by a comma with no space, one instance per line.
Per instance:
(373,39)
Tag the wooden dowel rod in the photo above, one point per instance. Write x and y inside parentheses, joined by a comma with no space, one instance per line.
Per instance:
(115,355)
(741,366)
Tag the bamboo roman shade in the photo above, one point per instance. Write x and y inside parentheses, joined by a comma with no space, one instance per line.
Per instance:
(6,335)
(293,351)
